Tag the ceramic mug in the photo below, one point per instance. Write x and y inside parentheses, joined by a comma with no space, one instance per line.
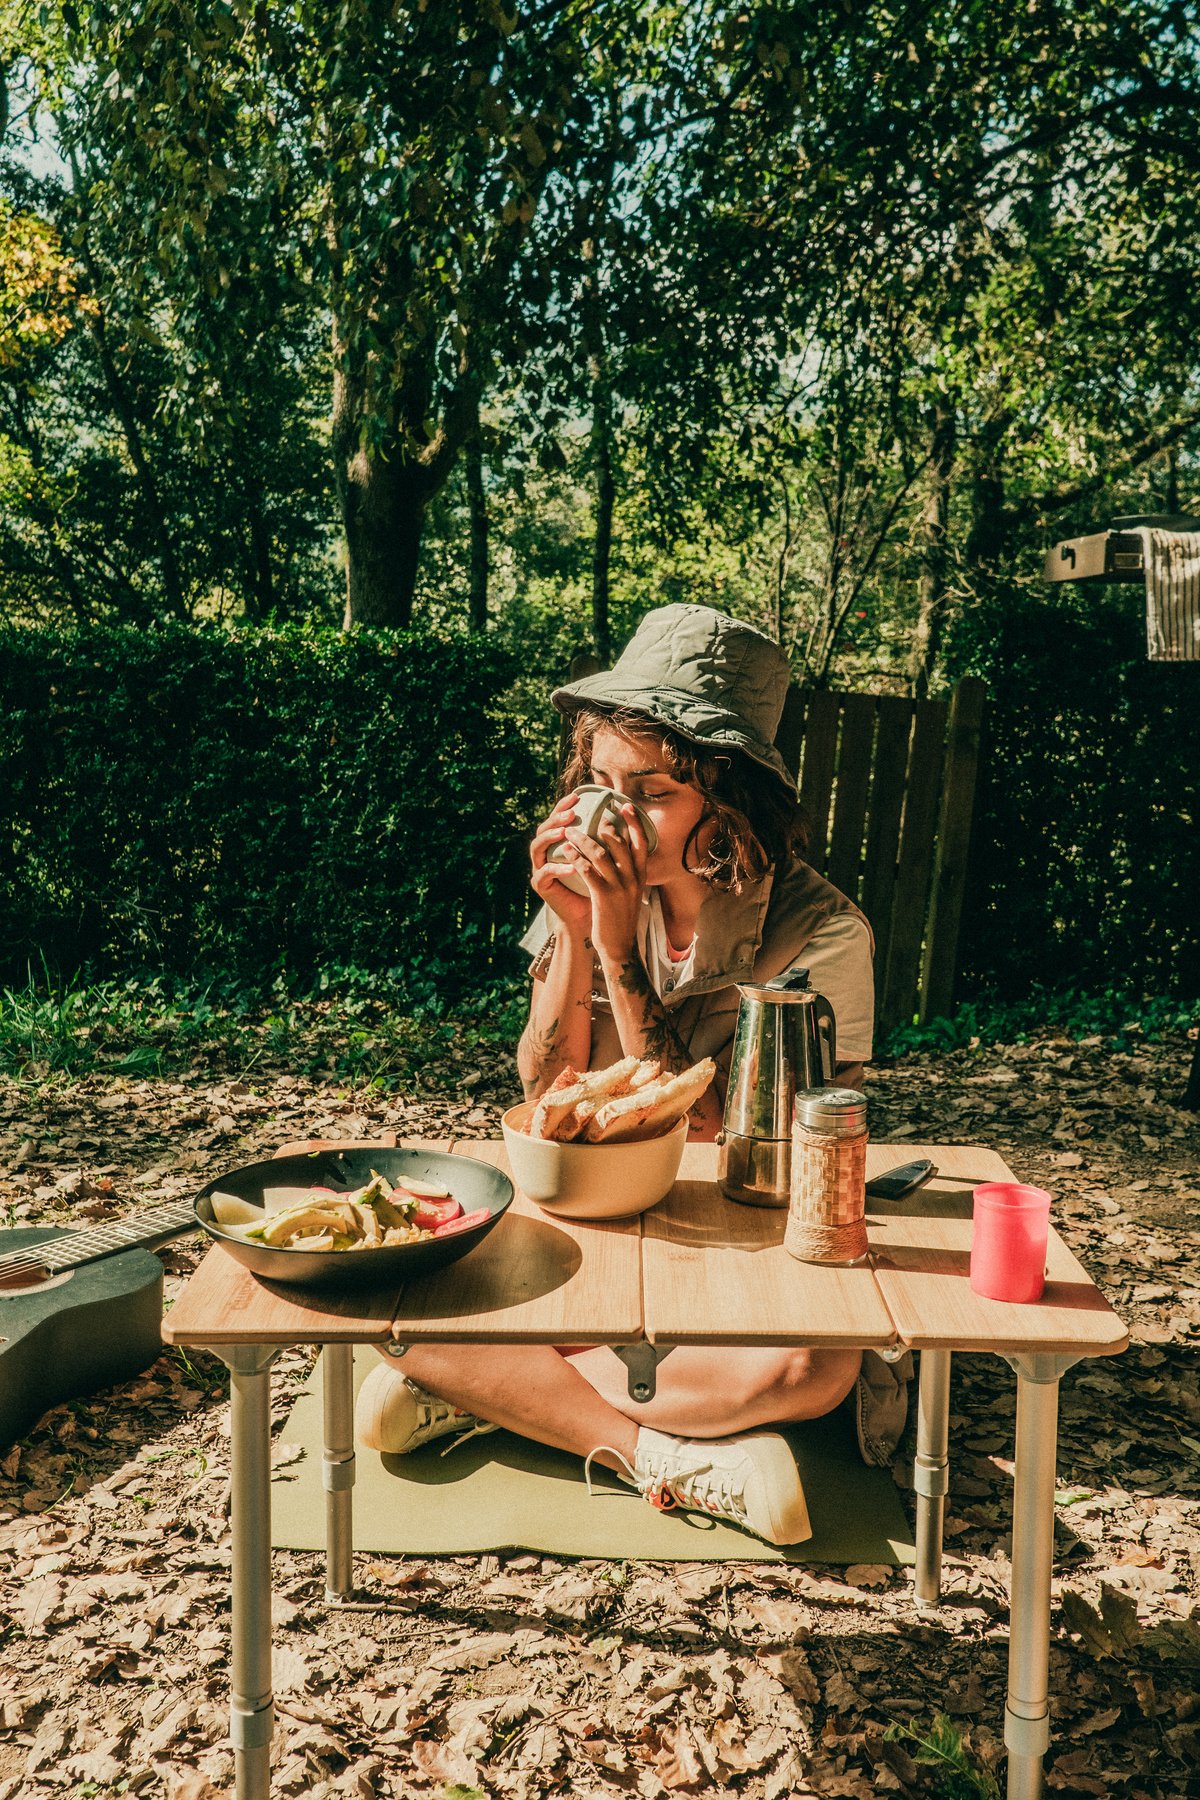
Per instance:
(592,805)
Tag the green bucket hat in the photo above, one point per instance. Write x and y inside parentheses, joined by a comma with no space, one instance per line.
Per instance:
(714,680)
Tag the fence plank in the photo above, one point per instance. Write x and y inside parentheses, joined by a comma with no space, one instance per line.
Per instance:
(816,774)
(953,843)
(883,825)
(789,739)
(900,983)
(844,868)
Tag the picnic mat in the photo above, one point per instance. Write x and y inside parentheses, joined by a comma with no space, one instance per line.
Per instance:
(501,1492)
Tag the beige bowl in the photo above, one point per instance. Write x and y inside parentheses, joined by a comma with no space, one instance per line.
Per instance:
(591,1181)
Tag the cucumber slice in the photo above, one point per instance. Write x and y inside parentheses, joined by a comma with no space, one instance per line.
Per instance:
(424,1190)
(228,1209)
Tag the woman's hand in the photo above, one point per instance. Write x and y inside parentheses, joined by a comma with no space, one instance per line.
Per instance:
(574,910)
(614,866)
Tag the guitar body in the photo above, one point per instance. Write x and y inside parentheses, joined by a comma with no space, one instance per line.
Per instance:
(87,1328)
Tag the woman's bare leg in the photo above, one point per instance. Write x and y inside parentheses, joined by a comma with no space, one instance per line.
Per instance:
(579,1402)
(706,1393)
(526,1388)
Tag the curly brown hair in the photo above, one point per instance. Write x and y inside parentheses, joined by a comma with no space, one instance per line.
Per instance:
(759,824)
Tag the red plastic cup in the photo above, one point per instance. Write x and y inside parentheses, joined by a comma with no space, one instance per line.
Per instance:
(1008,1243)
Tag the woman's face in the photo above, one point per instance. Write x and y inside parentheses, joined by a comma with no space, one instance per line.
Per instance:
(637,766)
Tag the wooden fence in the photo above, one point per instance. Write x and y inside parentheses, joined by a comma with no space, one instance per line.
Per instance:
(888,786)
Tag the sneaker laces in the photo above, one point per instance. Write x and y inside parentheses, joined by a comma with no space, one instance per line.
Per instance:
(433,1412)
(478,1429)
(699,1490)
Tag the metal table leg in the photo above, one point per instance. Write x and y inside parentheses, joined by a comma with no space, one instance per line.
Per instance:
(251,1710)
(931,1472)
(337,1469)
(1027,1713)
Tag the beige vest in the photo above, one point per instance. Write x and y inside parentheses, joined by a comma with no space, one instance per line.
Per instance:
(750,936)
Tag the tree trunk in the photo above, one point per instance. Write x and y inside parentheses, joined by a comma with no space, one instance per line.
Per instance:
(383,515)
(931,608)
(383,494)
(991,522)
(605,500)
(122,406)
(477,596)
(783,562)
(260,592)
(988,534)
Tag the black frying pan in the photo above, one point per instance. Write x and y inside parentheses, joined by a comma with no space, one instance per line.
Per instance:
(474,1185)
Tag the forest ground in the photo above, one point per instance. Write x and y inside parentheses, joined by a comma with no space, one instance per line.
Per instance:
(526,1676)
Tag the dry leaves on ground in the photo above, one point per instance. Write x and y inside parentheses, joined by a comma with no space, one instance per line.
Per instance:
(523,1676)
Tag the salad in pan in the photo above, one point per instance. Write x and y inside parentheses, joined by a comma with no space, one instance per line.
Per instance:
(369,1218)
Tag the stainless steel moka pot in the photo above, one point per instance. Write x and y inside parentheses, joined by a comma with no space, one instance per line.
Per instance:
(784,1042)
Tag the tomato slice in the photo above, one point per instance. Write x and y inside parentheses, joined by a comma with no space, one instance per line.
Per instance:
(463,1224)
(429,1214)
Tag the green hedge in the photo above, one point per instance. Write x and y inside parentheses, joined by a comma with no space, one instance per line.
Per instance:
(192,800)
(255,804)
(1085,857)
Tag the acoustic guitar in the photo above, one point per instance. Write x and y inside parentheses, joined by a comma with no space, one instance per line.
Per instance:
(80,1310)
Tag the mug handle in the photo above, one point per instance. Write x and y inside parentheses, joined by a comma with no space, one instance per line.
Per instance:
(823,1014)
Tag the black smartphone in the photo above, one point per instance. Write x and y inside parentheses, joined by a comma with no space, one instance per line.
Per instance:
(895,1183)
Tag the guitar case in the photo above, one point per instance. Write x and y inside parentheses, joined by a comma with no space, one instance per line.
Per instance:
(92,1328)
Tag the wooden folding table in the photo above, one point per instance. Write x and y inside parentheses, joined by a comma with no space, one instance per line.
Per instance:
(695,1270)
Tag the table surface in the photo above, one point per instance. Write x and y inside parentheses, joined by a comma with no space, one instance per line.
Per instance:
(696,1269)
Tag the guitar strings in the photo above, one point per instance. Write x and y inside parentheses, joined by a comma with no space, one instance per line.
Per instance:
(86,1245)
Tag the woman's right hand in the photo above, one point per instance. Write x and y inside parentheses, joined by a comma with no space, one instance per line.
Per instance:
(575,910)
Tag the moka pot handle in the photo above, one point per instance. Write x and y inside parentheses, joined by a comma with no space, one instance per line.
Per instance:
(823,1015)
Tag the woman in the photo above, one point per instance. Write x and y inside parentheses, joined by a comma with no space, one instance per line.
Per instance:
(646,964)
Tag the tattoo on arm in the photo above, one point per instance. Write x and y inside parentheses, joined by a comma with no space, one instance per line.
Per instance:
(540,1042)
(661,1040)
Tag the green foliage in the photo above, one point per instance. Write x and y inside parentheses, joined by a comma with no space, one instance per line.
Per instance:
(942,1749)
(861,309)
(1085,857)
(276,802)
(390,1029)
(755,260)
(1118,1016)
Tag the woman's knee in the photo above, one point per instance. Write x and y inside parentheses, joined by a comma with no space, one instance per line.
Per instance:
(805,1384)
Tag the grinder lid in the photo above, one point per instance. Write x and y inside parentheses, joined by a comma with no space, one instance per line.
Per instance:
(840,1111)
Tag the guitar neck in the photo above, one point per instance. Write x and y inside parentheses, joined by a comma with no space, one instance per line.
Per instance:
(154,1224)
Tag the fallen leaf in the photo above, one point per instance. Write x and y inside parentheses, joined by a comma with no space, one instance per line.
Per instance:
(190,1784)
(676,1758)
(444,1762)
(868,1575)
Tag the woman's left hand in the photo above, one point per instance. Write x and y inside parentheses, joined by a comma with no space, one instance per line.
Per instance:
(614,867)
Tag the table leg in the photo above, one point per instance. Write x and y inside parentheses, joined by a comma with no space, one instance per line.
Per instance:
(1027,1714)
(251,1710)
(337,1471)
(931,1472)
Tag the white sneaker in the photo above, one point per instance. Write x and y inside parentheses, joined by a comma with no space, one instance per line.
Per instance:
(393,1415)
(750,1479)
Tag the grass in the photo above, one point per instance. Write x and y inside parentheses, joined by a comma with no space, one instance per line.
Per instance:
(352,1027)
(391,1030)
(1118,1016)
(941,1748)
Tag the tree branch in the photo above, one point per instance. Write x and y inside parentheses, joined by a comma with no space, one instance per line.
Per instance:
(1151,445)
